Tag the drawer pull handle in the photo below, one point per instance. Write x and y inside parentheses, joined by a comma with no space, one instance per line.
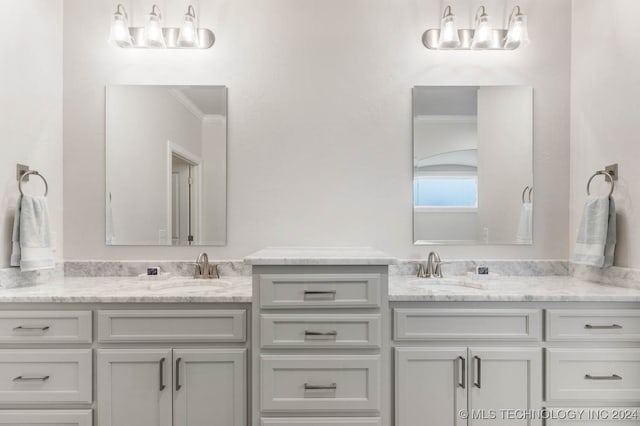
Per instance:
(463,373)
(331,386)
(31,379)
(178,385)
(162,385)
(611,377)
(478,381)
(41,328)
(331,293)
(603,327)
(332,333)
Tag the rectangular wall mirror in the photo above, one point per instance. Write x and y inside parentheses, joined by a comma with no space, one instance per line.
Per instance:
(473,165)
(166,165)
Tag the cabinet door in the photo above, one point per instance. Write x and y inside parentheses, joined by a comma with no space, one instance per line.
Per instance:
(210,387)
(134,387)
(505,385)
(431,386)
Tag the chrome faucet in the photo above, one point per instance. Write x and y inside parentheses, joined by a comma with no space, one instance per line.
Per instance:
(205,270)
(433,268)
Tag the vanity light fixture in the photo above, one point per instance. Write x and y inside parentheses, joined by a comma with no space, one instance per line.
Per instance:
(483,33)
(188,36)
(119,34)
(482,37)
(518,33)
(448,37)
(154,36)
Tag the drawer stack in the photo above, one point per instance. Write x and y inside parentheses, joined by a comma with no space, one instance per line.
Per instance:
(45,361)
(594,362)
(319,360)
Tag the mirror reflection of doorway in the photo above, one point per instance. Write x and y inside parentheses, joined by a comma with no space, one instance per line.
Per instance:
(183,195)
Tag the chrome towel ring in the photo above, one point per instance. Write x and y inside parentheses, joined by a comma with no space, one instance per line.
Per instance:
(608,177)
(34,173)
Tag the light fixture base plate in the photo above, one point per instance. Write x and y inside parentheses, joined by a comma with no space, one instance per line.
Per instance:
(431,37)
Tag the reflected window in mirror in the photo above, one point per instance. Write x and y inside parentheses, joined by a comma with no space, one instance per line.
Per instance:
(166,165)
(472,158)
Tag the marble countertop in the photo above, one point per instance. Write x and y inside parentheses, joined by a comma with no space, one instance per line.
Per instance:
(233,289)
(237,289)
(319,256)
(507,289)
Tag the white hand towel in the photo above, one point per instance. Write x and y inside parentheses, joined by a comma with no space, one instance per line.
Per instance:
(596,242)
(32,249)
(525,224)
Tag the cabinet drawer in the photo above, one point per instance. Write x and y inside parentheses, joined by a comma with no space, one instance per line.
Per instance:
(46,417)
(593,374)
(594,416)
(323,421)
(41,376)
(45,327)
(319,290)
(332,383)
(593,325)
(328,331)
(172,326)
(462,324)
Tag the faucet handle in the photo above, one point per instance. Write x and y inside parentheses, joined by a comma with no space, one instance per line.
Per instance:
(422,271)
(213,271)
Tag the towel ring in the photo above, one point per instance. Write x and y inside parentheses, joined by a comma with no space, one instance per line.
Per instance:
(34,173)
(526,188)
(607,177)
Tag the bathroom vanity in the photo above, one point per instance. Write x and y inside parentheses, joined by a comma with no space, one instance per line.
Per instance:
(315,339)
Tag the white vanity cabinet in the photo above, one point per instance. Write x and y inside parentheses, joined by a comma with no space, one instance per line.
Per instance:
(181,385)
(164,387)
(440,383)
(322,345)
(466,366)
(136,365)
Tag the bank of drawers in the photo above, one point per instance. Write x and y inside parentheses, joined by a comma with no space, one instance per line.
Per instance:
(317,378)
(45,376)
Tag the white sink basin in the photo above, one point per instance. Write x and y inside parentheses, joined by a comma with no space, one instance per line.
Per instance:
(421,282)
(444,284)
(188,283)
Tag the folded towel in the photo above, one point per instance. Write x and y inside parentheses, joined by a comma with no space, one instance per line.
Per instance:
(32,248)
(596,242)
(525,224)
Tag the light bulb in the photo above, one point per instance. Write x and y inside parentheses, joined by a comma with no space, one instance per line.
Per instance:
(518,33)
(449,38)
(483,34)
(188,36)
(119,34)
(153,36)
